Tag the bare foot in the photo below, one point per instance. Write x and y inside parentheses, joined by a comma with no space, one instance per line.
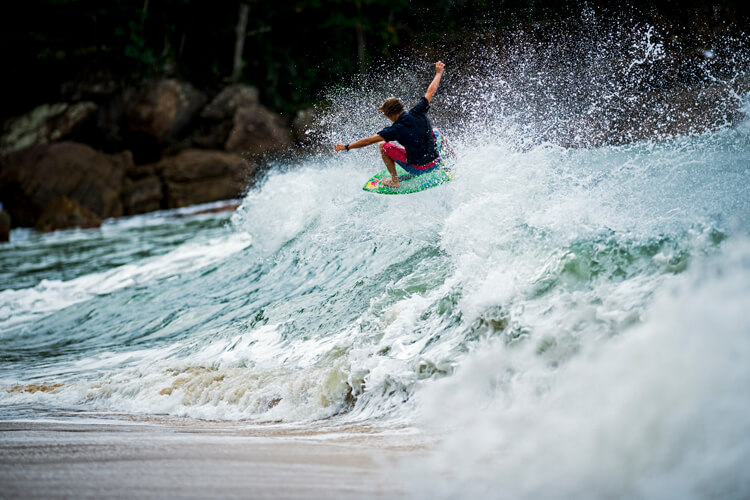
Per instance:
(393,183)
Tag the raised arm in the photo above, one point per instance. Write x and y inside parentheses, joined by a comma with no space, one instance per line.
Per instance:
(359,144)
(439,66)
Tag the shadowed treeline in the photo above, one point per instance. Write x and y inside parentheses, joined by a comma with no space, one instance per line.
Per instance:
(289,49)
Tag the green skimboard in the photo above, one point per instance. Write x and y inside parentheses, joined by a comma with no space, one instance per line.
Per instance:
(413,183)
(410,183)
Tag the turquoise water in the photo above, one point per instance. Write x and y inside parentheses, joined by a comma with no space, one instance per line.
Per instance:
(572,321)
(537,283)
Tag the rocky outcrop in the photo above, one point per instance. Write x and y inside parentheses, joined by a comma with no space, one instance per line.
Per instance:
(256,130)
(218,115)
(49,165)
(162,110)
(229,100)
(64,213)
(235,121)
(142,195)
(189,177)
(110,133)
(198,176)
(153,120)
(45,124)
(33,177)
(67,184)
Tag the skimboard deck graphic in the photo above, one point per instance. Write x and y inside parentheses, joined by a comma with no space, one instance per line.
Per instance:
(413,183)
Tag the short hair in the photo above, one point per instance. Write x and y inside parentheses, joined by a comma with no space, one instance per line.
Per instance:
(391,106)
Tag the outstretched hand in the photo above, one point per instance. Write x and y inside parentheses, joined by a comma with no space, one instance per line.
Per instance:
(439,67)
(339,147)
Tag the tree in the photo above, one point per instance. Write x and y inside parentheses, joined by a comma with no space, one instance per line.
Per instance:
(239,44)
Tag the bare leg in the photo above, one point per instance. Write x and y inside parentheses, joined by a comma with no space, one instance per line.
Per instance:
(391,166)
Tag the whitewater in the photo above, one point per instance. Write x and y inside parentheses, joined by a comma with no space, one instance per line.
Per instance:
(567,321)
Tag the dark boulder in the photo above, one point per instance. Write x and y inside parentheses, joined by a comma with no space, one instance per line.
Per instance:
(33,177)
(257,130)
(65,213)
(235,121)
(158,115)
(229,100)
(213,135)
(45,124)
(142,195)
(163,109)
(198,176)
(109,133)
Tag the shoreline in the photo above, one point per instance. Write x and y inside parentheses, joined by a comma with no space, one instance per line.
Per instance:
(96,457)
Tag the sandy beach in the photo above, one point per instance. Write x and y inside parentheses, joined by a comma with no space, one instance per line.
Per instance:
(175,458)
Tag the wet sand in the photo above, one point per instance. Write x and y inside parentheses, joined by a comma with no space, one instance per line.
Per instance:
(93,458)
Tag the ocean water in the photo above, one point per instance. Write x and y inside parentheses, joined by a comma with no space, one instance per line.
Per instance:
(571,321)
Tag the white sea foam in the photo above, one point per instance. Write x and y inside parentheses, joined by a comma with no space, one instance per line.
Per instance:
(546,248)
(658,412)
(510,270)
(18,306)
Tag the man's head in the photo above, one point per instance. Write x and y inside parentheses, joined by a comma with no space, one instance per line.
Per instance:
(392,108)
